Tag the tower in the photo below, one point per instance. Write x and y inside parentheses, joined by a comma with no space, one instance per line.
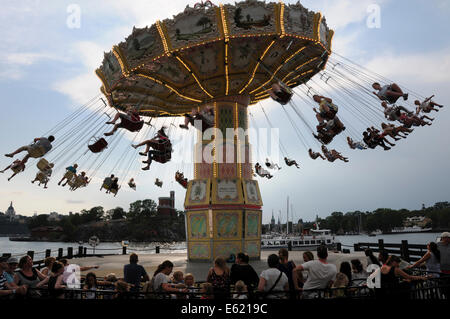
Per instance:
(223,203)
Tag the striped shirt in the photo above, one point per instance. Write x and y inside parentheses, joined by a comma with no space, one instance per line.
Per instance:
(3,282)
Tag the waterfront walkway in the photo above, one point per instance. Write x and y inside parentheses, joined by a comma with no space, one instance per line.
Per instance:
(114,264)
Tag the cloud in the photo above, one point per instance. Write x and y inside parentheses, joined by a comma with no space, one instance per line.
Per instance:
(85,85)
(29,58)
(71,201)
(425,68)
(340,14)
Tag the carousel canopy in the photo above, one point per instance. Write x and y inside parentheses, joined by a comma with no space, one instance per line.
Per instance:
(208,52)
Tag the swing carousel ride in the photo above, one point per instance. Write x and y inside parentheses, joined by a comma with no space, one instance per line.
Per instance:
(216,64)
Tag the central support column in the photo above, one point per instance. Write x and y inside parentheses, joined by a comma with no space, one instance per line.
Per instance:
(223,202)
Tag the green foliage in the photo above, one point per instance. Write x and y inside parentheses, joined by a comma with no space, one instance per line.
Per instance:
(141,210)
(385,219)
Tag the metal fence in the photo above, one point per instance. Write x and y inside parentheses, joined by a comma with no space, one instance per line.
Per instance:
(431,289)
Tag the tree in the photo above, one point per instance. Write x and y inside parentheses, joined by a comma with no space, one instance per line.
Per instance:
(93,215)
(116,213)
(141,211)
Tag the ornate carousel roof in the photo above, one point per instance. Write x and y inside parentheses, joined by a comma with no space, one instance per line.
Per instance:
(208,52)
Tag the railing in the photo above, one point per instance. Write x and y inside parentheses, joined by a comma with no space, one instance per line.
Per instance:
(432,289)
(408,252)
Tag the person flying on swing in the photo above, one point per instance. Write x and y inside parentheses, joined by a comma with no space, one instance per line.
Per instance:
(158,182)
(79,181)
(43,176)
(393,113)
(262,172)
(333,155)
(160,137)
(373,140)
(426,106)
(17,166)
(327,131)
(356,145)
(107,182)
(290,162)
(393,131)
(130,115)
(40,147)
(70,172)
(132,184)
(390,93)
(327,110)
(280,93)
(179,177)
(271,165)
(206,116)
(114,188)
(414,120)
(315,155)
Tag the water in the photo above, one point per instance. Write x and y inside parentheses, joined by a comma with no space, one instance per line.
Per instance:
(20,248)
(416,238)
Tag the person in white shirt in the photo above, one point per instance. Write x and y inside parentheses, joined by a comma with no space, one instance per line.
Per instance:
(390,93)
(273,279)
(321,274)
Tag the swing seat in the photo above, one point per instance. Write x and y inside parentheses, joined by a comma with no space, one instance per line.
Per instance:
(162,145)
(114,191)
(285,95)
(16,169)
(36,151)
(42,164)
(163,158)
(98,146)
(69,175)
(130,125)
(41,177)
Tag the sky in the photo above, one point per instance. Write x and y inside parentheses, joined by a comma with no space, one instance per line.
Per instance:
(47,70)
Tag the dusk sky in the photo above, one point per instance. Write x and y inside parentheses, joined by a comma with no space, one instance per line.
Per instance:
(47,70)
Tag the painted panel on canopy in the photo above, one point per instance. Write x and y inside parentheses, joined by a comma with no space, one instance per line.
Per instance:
(227,191)
(299,20)
(198,192)
(199,250)
(324,32)
(251,17)
(252,224)
(205,60)
(225,249)
(198,225)
(170,69)
(244,51)
(192,26)
(252,248)
(111,69)
(252,194)
(227,224)
(142,45)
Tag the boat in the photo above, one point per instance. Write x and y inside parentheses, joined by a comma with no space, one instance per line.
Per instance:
(307,240)
(413,229)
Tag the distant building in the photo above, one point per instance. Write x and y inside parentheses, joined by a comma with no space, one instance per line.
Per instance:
(272,223)
(166,206)
(10,213)
(420,221)
(415,219)
(54,217)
